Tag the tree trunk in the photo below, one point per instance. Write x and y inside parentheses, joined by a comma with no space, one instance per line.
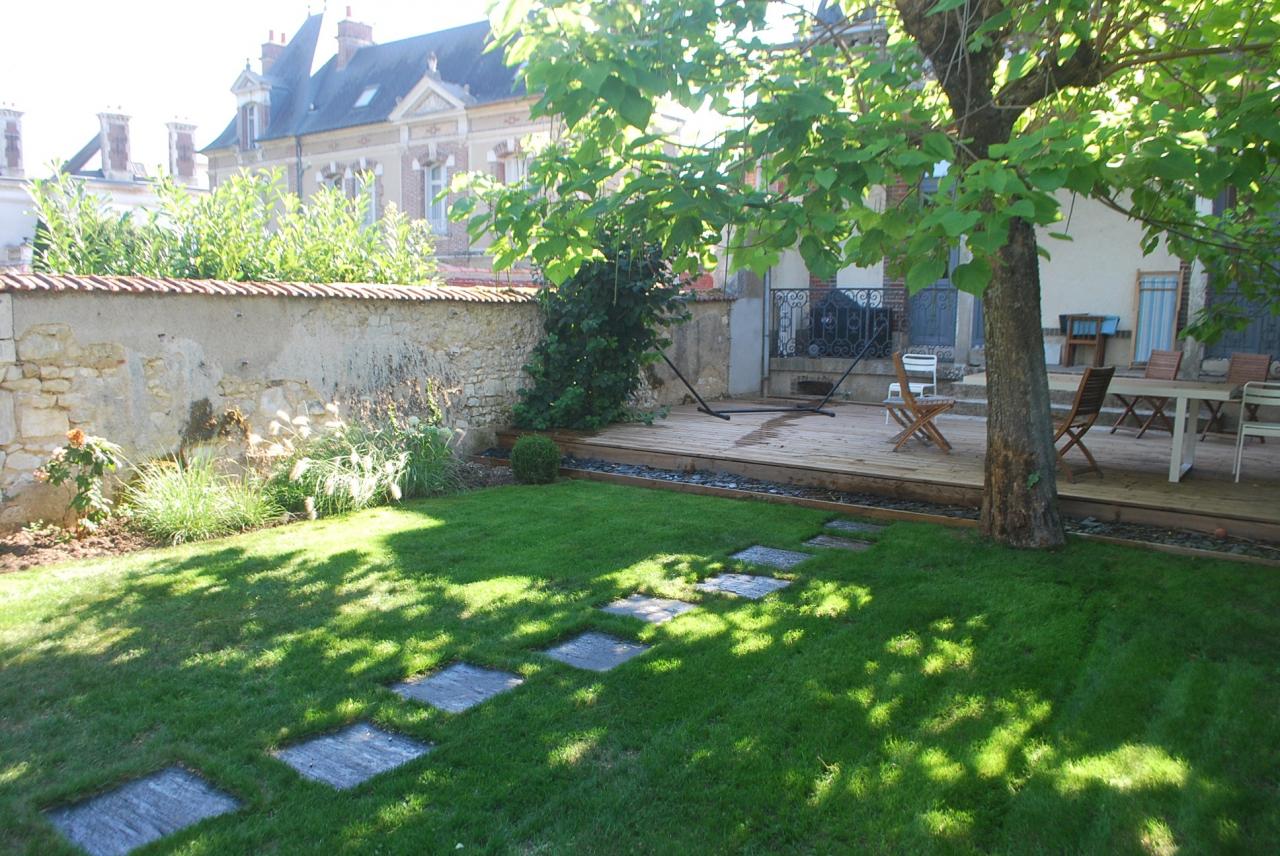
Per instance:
(1019,497)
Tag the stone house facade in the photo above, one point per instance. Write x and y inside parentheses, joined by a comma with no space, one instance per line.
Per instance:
(397,121)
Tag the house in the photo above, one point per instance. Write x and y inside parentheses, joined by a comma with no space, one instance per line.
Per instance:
(104,163)
(398,119)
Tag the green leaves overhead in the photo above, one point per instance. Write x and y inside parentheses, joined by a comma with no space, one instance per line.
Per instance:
(714,130)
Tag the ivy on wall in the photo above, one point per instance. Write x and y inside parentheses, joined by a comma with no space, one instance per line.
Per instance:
(602,326)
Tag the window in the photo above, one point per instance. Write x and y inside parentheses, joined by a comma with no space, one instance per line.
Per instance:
(249,126)
(366,97)
(515,169)
(371,216)
(435,206)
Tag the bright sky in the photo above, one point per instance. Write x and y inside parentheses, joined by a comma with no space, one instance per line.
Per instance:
(65,61)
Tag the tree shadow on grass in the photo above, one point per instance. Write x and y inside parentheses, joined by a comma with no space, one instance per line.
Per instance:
(879,703)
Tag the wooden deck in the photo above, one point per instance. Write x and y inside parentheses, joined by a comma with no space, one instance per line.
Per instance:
(851,452)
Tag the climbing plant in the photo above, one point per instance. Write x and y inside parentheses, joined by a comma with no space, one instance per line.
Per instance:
(602,326)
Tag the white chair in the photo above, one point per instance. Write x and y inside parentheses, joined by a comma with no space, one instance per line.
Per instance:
(919,364)
(1258,394)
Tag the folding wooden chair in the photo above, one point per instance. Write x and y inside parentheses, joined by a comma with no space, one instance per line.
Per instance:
(1243,368)
(1161,365)
(1084,412)
(916,413)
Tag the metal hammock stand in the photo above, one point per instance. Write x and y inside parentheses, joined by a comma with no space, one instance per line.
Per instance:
(882,326)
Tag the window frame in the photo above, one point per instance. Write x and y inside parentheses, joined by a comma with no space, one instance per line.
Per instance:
(431,188)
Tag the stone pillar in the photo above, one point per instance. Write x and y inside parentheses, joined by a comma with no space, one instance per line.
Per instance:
(182,152)
(113,147)
(11,152)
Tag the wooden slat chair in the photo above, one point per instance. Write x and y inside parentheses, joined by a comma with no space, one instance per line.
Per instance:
(1243,368)
(1161,365)
(1256,393)
(1090,395)
(915,413)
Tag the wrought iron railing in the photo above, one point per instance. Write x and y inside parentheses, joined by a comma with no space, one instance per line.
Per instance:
(831,322)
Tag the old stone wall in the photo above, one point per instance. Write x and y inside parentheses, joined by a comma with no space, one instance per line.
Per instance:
(700,348)
(150,371)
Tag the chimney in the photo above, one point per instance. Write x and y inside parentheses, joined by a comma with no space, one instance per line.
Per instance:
(352,35)
(113,147)
(271,50)
(182,152)
(11,153)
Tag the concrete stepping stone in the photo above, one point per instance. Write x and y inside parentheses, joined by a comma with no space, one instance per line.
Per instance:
(838,543)
(457,688)
(353,755)
(743,585)
(772,557)
(140,812)
(654,610)
(856,526)
(597,652)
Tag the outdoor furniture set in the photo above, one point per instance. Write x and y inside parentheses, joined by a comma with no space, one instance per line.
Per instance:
(1173,405)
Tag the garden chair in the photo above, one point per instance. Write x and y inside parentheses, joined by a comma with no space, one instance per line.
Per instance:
(1255,395)
(915,413)
(1243,368)
(1161,365)
(1084,412)
(920,364)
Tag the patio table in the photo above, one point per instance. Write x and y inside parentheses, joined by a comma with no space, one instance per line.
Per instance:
(1185,396)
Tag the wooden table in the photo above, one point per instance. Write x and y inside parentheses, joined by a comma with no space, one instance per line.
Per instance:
(1184,395)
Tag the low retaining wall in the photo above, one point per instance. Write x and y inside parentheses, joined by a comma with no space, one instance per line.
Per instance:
(147,363)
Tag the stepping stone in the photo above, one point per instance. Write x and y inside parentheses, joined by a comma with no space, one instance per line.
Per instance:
(654,610)
(838,543)
(855,526)
(743,585)
(351,756)
(771,556)
(598,652)
(458,687)
(140,812)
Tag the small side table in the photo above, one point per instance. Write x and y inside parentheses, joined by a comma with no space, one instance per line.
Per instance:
(1085,330)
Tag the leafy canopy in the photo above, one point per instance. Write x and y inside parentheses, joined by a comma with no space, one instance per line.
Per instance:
(1149,106)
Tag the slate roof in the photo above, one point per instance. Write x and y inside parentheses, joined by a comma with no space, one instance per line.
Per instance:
(36,282)
(463,68)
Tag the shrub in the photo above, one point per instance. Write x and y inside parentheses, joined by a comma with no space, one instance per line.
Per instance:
(85,460)
(179,501)
(376,457)
(535,459)
(249,227)
(602,327)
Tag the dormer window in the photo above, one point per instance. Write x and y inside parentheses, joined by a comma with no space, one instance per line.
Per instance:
(366,97)
(249,126)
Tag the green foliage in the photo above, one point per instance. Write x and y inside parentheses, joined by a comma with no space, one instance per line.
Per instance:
(535,459)
(84,461)
(376,457)
(250,227)
(177,501)
(1147,107)
(603,325)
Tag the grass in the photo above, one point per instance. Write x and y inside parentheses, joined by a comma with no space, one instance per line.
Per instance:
(933,694)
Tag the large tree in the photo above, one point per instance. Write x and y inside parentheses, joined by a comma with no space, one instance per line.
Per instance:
(1149,107)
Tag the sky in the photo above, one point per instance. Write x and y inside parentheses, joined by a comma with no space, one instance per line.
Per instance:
(65,61)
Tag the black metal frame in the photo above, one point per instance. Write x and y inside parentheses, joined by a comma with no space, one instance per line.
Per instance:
(884,324)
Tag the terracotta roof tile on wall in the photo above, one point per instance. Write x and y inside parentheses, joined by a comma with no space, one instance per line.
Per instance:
(36,282)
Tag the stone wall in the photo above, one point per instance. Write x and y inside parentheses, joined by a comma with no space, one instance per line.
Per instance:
(700,348)
(148,370)
(148,363)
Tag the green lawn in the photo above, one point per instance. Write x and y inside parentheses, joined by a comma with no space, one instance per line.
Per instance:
(933,694)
